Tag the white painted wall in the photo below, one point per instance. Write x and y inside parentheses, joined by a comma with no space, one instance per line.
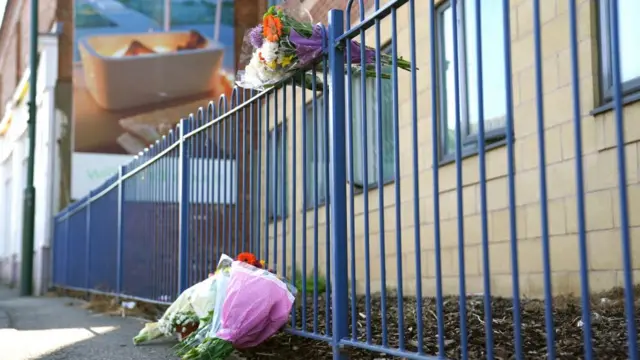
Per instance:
(13,168)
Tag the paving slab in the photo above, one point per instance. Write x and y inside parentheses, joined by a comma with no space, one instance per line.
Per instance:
(60,328)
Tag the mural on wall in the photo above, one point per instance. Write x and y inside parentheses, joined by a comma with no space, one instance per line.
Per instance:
(139,66)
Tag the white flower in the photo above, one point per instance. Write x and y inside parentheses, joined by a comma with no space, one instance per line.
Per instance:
(269,51)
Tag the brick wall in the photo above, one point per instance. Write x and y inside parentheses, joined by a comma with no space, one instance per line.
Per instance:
(15,39)
(320,9)
(248,13)
(599,159)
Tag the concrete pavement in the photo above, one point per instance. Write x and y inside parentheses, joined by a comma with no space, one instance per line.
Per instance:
(59,328)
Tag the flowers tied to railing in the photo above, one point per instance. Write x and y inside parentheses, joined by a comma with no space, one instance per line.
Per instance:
(287,42)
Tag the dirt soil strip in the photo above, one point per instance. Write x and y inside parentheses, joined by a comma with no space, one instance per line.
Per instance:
(608,320)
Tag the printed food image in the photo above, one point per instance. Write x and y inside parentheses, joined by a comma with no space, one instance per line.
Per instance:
(196,41)
(137,48)
(142,65)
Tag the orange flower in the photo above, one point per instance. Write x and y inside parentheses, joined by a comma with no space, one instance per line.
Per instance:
(249,258)
(271,28)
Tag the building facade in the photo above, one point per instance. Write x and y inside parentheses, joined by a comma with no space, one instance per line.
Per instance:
(14,88)
(598,154)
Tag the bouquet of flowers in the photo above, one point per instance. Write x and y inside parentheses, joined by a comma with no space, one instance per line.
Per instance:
(285,44)
(191,308)
(257,305)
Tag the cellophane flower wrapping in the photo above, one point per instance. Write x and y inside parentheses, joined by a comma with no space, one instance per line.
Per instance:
(192,305)
(257,305)
(218,291)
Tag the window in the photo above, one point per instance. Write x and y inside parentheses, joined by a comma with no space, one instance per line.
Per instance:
(388,159)
(277,140)
(493,70)
(627,29)
(316,154)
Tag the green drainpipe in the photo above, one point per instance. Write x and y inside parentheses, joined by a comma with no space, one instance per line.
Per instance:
(26,274)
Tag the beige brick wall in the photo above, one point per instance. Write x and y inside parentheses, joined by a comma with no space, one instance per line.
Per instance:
(599,158)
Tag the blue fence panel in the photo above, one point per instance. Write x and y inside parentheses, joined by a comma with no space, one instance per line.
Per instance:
(103,237)
(60,257)
(388,196)
(77,245)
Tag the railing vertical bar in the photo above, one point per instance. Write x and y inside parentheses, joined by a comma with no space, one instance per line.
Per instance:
(294,192)
(627,264)
(435,157)
(459,198)
(219,190)
(224,174)
(202,202)
(544,212)
(352,228)
(244,172)
(315,197)
(365,176)
(184,191)
(396,174)
(229,176)
(486,266)
(164,191)
(325,157)
(120,233)
(192,177)
(154,219)
(580,210)
(168,213)
(175,215)
(513,233)
(305,205)
(209,252)
(236,176)
(87,239)
(338,201)
(252,245)
(284,181)
(277,122)
(267,165)
(259,183)
(380,181)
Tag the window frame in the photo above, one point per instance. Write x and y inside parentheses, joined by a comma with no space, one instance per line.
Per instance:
(492,138)
(278,132)
(386,48)
(605,29)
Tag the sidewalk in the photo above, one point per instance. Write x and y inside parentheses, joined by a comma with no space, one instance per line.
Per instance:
(59,328)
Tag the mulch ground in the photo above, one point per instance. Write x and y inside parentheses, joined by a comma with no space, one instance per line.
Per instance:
(608,324)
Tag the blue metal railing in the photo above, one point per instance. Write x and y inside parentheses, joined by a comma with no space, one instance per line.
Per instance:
(300,178)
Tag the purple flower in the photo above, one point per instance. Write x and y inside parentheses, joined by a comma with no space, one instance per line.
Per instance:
(255,37)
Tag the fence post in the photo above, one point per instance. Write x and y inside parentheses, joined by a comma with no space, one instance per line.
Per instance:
(67,258)
(338,192)
(183,183)
(87,237)
(121,172)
